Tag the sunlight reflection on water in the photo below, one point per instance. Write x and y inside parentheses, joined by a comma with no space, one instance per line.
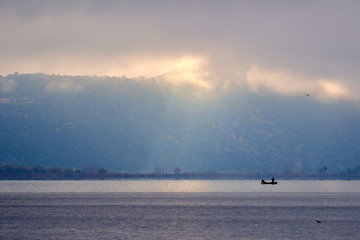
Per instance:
(236,186)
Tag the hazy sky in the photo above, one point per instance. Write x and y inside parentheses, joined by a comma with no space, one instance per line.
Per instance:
(287,47)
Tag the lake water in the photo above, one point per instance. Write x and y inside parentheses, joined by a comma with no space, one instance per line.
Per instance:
(179,209)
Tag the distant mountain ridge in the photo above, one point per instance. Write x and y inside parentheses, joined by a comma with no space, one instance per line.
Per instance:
(138,125)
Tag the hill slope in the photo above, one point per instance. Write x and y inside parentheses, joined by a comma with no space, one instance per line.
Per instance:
(136,125)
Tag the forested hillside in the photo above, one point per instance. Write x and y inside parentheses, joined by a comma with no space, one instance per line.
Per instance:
(138,125)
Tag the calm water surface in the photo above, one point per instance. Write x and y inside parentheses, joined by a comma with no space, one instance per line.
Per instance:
(229,186)
(179,210)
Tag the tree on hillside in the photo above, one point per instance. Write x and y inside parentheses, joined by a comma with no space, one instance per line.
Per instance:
(102,170)
(177,170)
(323,170)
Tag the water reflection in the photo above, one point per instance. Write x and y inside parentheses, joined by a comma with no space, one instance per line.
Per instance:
(236,186)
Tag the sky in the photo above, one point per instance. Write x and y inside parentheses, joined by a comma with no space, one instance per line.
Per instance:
(286,47)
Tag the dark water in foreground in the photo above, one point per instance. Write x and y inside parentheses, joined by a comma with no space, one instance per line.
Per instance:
(179,215)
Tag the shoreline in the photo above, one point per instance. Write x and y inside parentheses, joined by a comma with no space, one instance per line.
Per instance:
(183,176)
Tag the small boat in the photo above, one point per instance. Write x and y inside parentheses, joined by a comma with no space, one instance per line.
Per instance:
(265,182)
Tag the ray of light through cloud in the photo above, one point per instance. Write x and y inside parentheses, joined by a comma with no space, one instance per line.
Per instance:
(287,47)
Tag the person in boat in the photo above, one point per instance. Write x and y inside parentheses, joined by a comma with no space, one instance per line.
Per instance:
(272,181)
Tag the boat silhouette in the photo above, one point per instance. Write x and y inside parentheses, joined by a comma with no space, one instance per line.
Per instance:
(265,182)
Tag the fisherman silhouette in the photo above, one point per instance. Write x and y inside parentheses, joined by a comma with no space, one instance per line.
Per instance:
(272,181)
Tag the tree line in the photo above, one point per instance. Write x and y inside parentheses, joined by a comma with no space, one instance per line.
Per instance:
(11,172)
(9,168)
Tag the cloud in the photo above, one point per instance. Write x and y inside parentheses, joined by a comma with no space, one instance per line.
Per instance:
(334,90)
(188,70)
(7,85)
(63,85)
(298,43)
(285,83)
(279,82)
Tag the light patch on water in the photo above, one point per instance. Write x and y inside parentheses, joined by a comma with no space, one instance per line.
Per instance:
(200,186)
